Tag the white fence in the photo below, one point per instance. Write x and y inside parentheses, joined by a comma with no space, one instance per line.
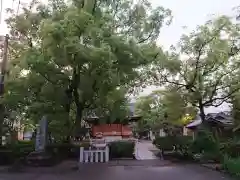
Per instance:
(94,155)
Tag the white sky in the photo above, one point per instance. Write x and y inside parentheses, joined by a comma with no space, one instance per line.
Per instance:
(188,13)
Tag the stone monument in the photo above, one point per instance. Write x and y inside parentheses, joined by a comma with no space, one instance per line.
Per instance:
(40,157)
(41,137)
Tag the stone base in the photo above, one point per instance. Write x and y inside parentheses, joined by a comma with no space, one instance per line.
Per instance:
(40,159)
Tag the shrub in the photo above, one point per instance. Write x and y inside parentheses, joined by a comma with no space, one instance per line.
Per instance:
(231,148)
(205,142)
(22,148)
(183,142)
(11,152)
(121,149)
(165,143)
(231,165)
(66,150)
(169,142)
(60,149)
(180,145)
(208,146)
(6,156)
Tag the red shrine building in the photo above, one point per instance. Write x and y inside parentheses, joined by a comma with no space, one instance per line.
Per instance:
(112,131)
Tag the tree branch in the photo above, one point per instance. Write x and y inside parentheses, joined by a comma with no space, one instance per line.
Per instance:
(147,38)
(222,99)
(174,82)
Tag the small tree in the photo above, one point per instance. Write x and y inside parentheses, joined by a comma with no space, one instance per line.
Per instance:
(163,109)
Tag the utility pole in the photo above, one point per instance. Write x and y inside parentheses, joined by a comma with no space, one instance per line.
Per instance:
(4,45)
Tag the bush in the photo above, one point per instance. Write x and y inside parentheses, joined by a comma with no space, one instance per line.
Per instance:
(205,142)
(231,148)
(183,143)
(208,146)
(180,145)
(11,152)
(22,148)
(231,165)
(165,143)
(63,150)
(66,150)
(6,156)
(121,149)
(169,142)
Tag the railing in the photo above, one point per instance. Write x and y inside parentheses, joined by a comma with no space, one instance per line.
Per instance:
(94,155)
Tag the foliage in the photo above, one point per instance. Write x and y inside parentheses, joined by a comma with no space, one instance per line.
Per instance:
(175,147)
(6,156)
(11,152)
(21,148)
(173,143)
(205,64)
(121,149)
(66,150)
(163,107)
(231,148)
(205,143)
(165,143)
(232,165)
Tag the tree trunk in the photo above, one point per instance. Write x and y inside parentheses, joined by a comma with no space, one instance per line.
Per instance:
(201,108)
(68,108)
(1,121)
(79,105)
(78,121)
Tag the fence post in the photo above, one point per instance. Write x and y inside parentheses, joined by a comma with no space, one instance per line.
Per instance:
(92,153)
(101,156)
(81,154)
(86,156)
(96,156)
(106,154)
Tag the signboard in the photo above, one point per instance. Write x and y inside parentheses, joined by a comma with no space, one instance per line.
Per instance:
(41,136)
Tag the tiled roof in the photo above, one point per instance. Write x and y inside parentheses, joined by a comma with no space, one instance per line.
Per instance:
(222,117)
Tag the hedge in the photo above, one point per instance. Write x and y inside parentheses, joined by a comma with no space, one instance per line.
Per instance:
(66,150)
(121,149)
(170,143)
(11,152)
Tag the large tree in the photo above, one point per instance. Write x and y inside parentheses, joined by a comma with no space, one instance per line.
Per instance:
(74,55)
(205,64)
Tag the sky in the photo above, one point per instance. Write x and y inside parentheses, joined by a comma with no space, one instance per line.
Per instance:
(189,13)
